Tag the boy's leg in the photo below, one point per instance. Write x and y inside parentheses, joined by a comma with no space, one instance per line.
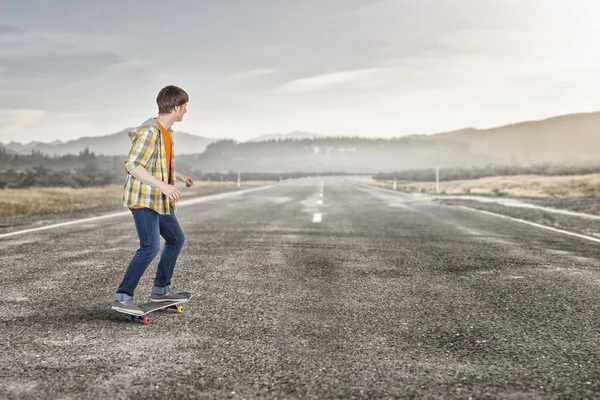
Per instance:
(174,239)
(147,227)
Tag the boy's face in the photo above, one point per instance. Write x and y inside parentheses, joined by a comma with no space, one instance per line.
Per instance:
(179,111)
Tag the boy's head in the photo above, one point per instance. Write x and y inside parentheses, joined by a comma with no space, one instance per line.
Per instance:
(172,99)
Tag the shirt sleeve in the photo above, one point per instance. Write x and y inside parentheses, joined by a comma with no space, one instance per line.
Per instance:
(142,148)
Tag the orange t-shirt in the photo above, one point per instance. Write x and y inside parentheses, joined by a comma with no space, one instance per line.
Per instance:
(166,139)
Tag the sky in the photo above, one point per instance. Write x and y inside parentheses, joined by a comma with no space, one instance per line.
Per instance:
(371,68)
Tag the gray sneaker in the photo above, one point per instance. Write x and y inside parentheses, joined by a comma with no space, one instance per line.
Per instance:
(127,306)
(171,296)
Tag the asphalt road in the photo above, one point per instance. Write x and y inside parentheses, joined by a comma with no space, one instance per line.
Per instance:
(388,296)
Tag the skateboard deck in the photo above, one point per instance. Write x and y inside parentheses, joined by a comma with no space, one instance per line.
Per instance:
(151,306)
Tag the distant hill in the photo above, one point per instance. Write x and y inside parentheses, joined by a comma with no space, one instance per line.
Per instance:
(27,148)
(573,138)
(114,144)
(566,138)
(295,135)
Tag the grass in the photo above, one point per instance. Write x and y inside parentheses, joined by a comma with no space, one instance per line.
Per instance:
(20,202)
(524,186)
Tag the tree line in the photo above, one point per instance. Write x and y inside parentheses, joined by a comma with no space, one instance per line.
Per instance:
(90,170)
(405,159)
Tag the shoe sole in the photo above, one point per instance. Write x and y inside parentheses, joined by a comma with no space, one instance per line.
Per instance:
(124,310)
(165,300)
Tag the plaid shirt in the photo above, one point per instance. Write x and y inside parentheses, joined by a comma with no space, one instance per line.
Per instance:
(148,150)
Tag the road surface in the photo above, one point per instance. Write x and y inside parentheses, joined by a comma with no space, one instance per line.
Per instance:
(314,288)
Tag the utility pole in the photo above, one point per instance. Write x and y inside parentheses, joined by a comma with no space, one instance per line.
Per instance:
(395,184)
(239,180)
(437,179)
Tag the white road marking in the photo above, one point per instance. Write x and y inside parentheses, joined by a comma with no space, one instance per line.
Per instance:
(123,213)
(518,204)
(319,202)
(399,205)
(483,199)
(558,211)
(279,200)
(78,221)
(317,218)
(593,239)
(320,194)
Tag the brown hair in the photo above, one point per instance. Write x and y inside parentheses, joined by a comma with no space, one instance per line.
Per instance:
(170,97)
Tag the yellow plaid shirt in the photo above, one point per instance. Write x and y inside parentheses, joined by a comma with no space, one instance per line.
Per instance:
(148,150)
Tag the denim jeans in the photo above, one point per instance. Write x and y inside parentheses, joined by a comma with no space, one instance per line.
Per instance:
(150,226)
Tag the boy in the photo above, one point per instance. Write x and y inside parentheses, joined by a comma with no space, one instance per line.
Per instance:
(151,195)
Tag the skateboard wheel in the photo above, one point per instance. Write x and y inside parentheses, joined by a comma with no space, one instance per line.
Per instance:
(146,320)
(179,309)
(130,318)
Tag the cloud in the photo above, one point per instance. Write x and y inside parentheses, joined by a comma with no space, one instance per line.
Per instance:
(24,125)
(319,82)
(132,63)
(253,73)
(37,72)
(16,120)
(406,64)
(28,55)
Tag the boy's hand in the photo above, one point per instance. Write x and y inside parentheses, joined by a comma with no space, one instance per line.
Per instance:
(170,191)
(188,180)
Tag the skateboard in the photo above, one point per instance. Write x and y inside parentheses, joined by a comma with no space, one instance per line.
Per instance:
(151,306)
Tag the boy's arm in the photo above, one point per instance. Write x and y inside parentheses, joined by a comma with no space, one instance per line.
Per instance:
(142,148)
(143,175)
(188,180)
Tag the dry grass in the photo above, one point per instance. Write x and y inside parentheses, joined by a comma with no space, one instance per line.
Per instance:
(532,186)
(17,202)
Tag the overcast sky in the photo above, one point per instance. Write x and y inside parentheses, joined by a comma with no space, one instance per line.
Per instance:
(374,68)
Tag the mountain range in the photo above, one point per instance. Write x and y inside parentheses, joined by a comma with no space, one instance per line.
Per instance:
(119,143)
(113,144)
(566,138)
(295,135)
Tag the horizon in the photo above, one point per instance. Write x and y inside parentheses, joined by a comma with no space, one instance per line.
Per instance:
(387,69)
(324,135)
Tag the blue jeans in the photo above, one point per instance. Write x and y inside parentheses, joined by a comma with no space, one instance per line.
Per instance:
(150,226)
